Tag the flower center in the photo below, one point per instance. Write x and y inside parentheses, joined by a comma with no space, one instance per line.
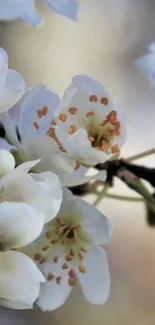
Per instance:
(74,243)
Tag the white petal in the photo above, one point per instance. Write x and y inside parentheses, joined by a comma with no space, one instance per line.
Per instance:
(95,283)
(3,67)
(14,89)
(81,176)
(52,295)
(27,166)
(52,159)
(13,9)
(92,87)
(19,278)
(33,101)
(20,224)
(48,194)
(98,226)
(14,304)
(68,8)
(80,147)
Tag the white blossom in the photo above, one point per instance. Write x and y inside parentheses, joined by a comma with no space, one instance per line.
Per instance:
(69,250)
(90,127)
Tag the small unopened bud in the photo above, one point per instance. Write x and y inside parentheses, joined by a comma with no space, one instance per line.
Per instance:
(7,162)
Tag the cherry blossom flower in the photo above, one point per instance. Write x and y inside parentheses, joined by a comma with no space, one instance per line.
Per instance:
(89,125)
(69,250)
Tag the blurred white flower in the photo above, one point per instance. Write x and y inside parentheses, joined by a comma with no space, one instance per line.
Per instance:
(89,126)
(42,192)
(70,250)
(146,64)
(12,85)
(7,162)
(26,9)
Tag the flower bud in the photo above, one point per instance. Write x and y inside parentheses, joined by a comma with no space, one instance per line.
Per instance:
(7,162)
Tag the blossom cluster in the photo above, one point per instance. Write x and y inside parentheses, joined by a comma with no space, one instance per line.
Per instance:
(50,239)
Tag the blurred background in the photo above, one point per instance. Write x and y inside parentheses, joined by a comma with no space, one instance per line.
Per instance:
(109,35)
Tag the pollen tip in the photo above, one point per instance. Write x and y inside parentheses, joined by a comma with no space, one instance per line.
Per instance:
(58,279)
(37,256)
(82,268)
(50,277)
(93,98)
(63,117)
(104,100)
(45,248)
(72,282)
(56,259)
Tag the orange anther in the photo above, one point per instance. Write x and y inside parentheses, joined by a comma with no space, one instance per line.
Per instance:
(72,273)
(44,110)
(81,257)
(105,145)
(63,117)
(45,248)
(93,98)
(91,139)
(71,252)
(65,266)
(39,113)
(58,279)
(90,113)
(48,235)
(50,277)
(77,164)
(60,220)
(82,269)
(37,256)
(104,100)
(42,261)
(72,110)
(36,125)
(54,241)
(117,125)
(72,129)
(83,249)
(53,122)
(72,282)
(115,148)
(68,258)
(56,259)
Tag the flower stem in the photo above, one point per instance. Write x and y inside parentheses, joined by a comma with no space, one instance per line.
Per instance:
(101,195)
(124,198)
(141,155)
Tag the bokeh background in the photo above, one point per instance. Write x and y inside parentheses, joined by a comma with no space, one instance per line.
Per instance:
(109,35)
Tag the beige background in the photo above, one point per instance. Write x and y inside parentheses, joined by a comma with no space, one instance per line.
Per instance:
(109,34)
